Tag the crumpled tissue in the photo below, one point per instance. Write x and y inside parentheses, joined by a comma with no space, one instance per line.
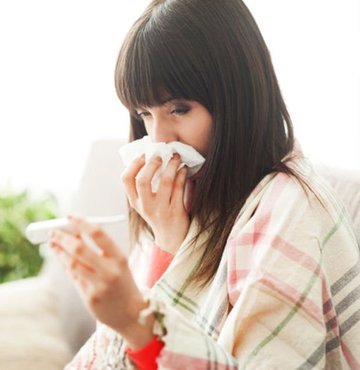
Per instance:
(189,156)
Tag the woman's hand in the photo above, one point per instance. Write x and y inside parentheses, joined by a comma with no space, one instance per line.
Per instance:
(104,279)
(163,211)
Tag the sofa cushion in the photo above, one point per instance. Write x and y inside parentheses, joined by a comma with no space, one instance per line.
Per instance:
(346,184)
(30,333)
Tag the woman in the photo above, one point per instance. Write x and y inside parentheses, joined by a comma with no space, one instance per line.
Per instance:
(259,267)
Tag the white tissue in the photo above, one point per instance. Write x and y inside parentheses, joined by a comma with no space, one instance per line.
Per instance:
(189,156)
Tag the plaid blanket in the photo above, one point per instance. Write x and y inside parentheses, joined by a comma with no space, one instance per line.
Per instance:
(285,296)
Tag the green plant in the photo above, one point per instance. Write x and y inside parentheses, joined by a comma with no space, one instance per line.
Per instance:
(18,257)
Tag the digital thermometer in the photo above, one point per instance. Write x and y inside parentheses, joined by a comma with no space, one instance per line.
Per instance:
(39,232)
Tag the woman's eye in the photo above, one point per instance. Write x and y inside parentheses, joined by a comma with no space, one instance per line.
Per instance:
(177,110)
(143,114)
(180,110)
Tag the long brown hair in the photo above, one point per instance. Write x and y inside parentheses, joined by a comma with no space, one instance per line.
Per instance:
(210,51)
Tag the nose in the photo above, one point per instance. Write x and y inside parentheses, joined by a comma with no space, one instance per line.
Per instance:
(162,130)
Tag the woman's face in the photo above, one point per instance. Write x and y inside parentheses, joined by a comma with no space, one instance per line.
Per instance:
(186,121)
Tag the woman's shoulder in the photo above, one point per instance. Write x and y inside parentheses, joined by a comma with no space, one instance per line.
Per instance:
(304,186)
(309,186)
(293,205)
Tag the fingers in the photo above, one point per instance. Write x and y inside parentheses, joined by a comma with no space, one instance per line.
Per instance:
(93,233)
(79,272)
(137,179)
(128,178)
(70,262)
(167,180)
(179,187)
(75,247)
(144,177)
(137,182)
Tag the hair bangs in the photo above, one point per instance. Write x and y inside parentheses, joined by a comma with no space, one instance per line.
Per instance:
(150,70)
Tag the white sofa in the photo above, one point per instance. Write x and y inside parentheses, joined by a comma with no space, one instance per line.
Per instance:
(43,322)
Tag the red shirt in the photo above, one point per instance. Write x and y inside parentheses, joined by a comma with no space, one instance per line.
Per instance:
(145,357)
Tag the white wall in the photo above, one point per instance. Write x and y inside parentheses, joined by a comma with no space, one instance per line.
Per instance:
(315,46)
(57,93)
(56,86)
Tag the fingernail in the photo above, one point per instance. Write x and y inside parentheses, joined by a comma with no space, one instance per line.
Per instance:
(157,159)
(141,158)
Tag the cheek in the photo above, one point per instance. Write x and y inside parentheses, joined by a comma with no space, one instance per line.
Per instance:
(205,134)
(205,142)
(199,138)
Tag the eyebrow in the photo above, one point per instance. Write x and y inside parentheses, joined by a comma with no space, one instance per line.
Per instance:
(168,100)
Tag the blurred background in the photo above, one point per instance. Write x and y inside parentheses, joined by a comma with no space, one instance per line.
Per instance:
(57,92)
